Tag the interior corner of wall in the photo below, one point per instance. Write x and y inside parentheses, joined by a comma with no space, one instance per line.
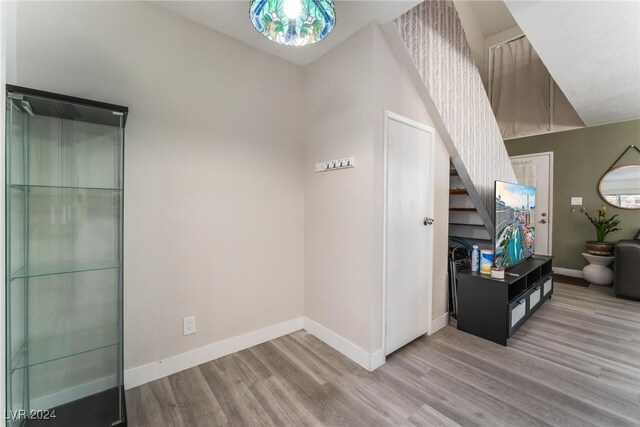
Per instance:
(8,26)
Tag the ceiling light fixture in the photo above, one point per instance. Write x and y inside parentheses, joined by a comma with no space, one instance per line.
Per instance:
(293,22)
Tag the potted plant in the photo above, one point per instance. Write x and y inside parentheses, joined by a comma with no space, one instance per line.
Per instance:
(603,227)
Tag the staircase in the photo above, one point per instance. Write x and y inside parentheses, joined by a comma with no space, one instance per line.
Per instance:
(432,42)
(465,221)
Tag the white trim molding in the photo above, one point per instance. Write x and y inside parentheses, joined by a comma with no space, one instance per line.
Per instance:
(567,272)
(378,359)
(139,375)
(439,323)
(368,361)
(389,116)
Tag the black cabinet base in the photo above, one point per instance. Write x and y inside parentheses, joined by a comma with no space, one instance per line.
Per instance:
(495,309)
(97,410)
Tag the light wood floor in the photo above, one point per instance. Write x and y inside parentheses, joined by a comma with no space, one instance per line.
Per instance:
(576,362)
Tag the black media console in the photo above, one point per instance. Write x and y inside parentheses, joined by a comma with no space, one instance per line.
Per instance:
(494,309)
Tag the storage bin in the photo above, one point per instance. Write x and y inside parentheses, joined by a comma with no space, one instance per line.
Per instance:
(534,297)
(518,310)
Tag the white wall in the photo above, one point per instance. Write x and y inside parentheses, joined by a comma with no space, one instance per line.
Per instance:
(214,200)
(339,205)
(349,90)
(224,217)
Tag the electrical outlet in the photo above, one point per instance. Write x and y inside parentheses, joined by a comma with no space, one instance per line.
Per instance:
(189,325)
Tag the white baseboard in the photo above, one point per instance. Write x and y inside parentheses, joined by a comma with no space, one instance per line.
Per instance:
(439,323)
(567,272)
(146,373)
(368,361)
(139,375)
(344,346)
(378,359)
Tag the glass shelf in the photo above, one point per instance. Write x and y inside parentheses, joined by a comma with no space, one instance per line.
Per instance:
(68,314)
(60,230)
(49,151)
(97,367)
(54,348)
(58,187)
(37,271)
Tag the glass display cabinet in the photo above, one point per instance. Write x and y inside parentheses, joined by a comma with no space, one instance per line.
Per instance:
(64,282)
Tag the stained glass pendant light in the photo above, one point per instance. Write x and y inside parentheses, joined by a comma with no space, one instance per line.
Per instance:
(293,22)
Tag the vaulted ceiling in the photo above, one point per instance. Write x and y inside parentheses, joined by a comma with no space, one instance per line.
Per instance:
(232,18)
(592,50)
(492,16)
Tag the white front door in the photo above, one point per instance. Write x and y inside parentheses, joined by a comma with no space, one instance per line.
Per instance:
(536,170)
(409,231)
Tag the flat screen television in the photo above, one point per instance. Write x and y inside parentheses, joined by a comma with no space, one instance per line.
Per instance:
(515,234)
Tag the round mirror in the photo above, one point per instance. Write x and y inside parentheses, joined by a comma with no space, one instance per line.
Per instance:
(620,187)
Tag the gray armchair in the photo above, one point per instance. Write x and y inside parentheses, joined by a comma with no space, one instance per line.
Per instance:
(626,275)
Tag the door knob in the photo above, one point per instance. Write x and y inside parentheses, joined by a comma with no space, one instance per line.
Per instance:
(427,221)
(543,221)
(543,214)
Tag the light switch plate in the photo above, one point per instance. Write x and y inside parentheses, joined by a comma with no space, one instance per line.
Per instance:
(576,201)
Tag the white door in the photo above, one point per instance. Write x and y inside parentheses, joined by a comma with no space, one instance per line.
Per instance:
(537,170)
(409,231)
